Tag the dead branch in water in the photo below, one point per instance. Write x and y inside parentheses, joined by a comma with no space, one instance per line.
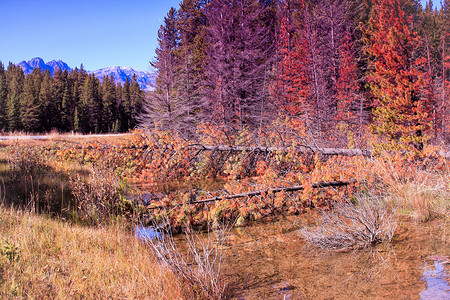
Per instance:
(267,191)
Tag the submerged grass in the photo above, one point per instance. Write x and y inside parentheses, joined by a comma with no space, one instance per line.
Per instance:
(42,258)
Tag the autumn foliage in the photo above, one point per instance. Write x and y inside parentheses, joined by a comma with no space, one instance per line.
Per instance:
(403,110)
(187,182)
(292,88)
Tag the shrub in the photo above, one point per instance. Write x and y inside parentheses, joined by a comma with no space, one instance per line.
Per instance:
(353,226)
(25,161)
(422,191)
(9,251)
(97,198)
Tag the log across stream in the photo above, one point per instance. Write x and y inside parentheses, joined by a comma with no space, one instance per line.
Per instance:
(260,192)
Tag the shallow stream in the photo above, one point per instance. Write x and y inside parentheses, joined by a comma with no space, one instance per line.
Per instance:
(270,261)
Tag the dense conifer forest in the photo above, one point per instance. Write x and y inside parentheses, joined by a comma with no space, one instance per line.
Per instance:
(67,101)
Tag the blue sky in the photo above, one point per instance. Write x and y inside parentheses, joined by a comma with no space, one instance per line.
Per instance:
(97,33)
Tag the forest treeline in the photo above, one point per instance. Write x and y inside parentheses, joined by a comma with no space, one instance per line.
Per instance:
(331,70)
(67,101)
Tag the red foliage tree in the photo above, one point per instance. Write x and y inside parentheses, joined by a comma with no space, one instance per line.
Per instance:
(291,88)
(350,103)
(444,110)
(402,111)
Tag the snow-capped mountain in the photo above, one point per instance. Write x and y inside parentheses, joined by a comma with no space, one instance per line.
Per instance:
(37,62)
(145,79)
(58,64)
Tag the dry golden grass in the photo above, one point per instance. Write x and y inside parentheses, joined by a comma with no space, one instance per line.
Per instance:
(420,191)
(52,137)
(200,264)
(42,258)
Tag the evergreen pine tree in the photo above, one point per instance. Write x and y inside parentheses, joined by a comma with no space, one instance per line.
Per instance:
(402,113)
(136,100)
(443,98)
(29,108)
(76,78)
(237,63)
(350,102)
(59,86)
(164,106)
(67,108)
(89,110)
(119,109)
(109,114)
(3,96)
(125,109)
(190,53)
(76,121)
(292,88)
(15,79)
(46,103)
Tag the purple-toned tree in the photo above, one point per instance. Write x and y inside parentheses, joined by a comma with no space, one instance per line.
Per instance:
(237,63)
(190,53)
(164,107)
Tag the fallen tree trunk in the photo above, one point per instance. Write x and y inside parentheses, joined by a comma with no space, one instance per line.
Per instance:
(323,151)
(225,148)
(258,193)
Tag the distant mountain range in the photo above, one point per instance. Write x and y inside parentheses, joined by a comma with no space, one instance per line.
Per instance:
(145,79)
(37,62)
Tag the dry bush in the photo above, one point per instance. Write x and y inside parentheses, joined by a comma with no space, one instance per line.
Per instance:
(2,192)
(353,226)
(30,179)
(25,161)
(201,266)
(97,198)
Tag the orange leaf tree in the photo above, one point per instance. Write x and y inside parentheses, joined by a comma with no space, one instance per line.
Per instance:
(291,88)
(350,103)
(402,112)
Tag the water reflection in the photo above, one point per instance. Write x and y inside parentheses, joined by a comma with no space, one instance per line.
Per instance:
(271,261)
(147,233)
(437,286)
(263,260)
